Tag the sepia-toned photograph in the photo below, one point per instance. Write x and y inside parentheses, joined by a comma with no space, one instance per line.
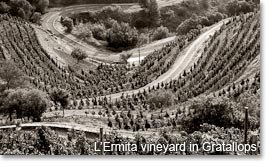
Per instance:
(130,77)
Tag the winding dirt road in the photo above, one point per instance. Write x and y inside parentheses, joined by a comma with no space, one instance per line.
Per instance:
(186,58)
(51,24)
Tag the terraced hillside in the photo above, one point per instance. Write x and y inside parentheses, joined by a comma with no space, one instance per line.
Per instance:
(221,69)
(229,64)
(19,44)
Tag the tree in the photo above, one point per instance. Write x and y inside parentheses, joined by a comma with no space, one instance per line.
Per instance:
(161,98)
(204,21)
(21,13)
(23,102)
(187,25)
(86,113)
(147,125)
(98,31)
(204,4)
(68,23)
(153,13)
(4,8)
(13,103)
(214,111)
(114,12)
(21,8)
(11,76)
(143,3)
(79,54)
(42,5)
(235,7)
(36,18)
(160,33)
(125,56)
(109,123)
(121,35)
(35,104)
(60,96)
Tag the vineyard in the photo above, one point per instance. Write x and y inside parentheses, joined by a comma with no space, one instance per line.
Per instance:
(209,91)
(45,73)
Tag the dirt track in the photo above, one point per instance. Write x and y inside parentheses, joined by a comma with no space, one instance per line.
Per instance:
(184,60)
(50,22)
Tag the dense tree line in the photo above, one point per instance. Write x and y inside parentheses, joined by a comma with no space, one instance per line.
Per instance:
(208,11)
(27,9)
(154,22)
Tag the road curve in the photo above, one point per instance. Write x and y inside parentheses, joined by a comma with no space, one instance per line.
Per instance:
(50,22)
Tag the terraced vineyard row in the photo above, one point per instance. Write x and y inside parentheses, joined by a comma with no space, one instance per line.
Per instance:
(223,61)
(159,61)
(20,45)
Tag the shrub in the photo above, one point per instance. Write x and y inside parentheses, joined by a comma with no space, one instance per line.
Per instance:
(143,39)
(205,21)
(21,8)
(235,7)
(125,56)
(42,5)
(161,98)
(79,54)
(4,8)
(36,18)
(220,112)
(98,31)
(122,36)
(68,23)
(187,25)
(215,17)
(83,32)
(160,33)
(113,12)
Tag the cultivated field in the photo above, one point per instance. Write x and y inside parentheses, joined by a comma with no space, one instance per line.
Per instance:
(157,71)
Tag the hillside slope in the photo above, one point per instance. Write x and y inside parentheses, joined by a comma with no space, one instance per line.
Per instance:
(229,64)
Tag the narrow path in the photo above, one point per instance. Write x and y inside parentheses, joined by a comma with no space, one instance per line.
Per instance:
(79,127)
